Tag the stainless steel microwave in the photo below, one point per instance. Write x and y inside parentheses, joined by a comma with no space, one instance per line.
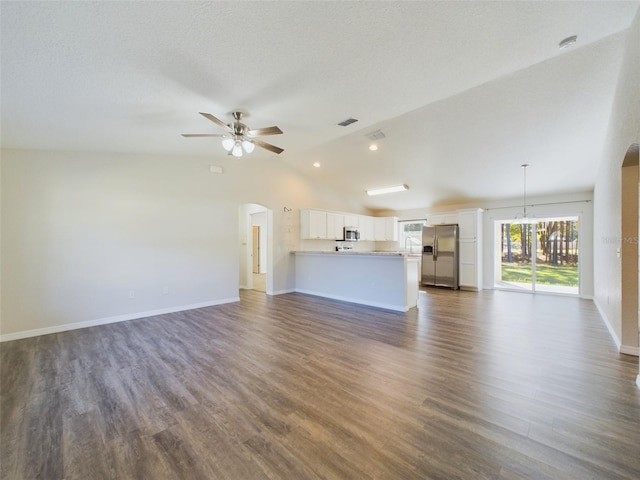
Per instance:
(351,234)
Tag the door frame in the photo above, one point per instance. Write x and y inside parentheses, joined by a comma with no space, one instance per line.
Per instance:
(246,246)
(628,252)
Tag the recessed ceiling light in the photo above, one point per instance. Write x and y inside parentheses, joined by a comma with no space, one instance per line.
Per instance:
(316,164)
(567,42)
(373,147)
(381,191)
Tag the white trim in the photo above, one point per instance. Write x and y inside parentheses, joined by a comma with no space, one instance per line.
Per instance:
(627,350)
(638,381)
(608,325)
(115,319)
(386,306)
(282,292)
(587,297)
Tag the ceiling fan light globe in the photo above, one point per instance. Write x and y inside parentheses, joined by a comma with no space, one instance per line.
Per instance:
(228,143)
(237,150)
(248,146)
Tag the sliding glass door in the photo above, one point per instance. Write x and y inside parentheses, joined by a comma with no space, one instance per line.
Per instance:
(516,269)
(540,256)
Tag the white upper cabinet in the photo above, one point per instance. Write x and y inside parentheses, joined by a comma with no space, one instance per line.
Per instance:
(351,220)
(391,228)
(442,218)
(313,224)
(385,229)
(467,223)
(335,226)
(324,225)
(366,228)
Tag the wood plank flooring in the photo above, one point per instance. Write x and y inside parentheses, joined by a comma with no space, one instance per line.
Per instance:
(472,385)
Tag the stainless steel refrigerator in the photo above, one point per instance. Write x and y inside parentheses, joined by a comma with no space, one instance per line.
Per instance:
(440,256)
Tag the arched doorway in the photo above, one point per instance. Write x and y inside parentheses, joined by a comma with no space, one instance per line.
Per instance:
(630,199)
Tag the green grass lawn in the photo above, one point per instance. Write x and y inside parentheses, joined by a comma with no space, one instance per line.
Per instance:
(565,275)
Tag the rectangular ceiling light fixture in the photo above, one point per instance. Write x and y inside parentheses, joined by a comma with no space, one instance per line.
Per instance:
(381,191)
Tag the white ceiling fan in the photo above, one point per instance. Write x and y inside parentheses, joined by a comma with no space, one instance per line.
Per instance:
(238,138)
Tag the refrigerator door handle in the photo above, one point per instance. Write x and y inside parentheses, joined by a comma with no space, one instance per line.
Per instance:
(435,247)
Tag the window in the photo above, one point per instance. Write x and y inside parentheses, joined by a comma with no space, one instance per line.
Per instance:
(410,235)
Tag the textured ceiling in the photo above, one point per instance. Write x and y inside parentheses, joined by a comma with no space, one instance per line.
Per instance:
(464,91)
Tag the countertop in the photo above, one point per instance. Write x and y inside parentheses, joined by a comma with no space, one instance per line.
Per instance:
(353,252)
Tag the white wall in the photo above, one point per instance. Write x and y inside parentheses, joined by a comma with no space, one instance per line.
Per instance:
(82,230)
(624,130)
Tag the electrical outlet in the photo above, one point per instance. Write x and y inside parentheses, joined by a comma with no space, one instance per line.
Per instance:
(132,294)
(165,290)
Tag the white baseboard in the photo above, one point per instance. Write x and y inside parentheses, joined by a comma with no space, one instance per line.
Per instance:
(626,349)
(282,292)
(386,306)
(115,319)
(638,381)
(608,325)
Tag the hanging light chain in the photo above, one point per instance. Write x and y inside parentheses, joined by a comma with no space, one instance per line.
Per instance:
(524,196)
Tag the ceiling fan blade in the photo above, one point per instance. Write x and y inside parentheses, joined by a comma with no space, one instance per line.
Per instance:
(264,131)
(268,146)
(216,121)
(202,135)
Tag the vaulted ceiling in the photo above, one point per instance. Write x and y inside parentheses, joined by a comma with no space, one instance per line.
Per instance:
(464,92)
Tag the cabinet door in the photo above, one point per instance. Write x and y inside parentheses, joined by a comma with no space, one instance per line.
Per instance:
(379,229)
(318,225)
(467,263)
(352,221)
(366,228)
(442,219)
(391,229)
(467,223)
(385,229)
(335,225)
(313,224)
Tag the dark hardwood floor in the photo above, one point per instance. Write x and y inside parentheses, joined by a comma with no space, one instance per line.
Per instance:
(488,385)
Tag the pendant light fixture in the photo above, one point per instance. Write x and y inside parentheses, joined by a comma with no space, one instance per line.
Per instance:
(525,217)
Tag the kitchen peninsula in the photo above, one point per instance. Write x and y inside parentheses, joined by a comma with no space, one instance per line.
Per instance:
(386,280)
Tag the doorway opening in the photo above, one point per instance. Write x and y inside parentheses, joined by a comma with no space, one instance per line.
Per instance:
(256,234)
(258,264)
(538,256)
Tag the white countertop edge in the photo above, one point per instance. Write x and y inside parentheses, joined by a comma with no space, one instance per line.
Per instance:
(376,254)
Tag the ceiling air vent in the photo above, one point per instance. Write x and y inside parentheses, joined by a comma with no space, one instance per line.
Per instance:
(377,135)
(348,122)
